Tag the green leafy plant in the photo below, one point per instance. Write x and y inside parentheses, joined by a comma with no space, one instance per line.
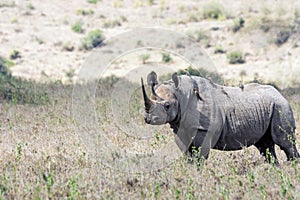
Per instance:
(177,194)
(157,190)
(235,57)
(111,23)
(93,1)
(166,57)
(150,2)
(144,58)
(67,46)
(18,90)
(49,180)
(19,152)
(215,77)
(15,54)
(30,6)
(77,27)
(4,66)
(214,10)
(3,190)
(238,24)
(93,39)
(201,36)
(84,12)
(219,49)
(73,188)
(262,189)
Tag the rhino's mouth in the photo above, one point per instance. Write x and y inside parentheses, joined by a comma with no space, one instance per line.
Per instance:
(153,120)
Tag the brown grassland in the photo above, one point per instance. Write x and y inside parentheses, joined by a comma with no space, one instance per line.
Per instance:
(43,154)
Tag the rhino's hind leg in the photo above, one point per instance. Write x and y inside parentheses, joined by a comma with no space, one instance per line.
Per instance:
(266,148)
(289,148)
(283,134)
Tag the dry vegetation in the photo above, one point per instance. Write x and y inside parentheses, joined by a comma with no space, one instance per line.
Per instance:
(43,155)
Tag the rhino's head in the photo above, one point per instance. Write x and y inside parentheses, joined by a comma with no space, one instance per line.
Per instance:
(162,106)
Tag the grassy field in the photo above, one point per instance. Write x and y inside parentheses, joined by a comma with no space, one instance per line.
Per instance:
(43,157)
(53,148)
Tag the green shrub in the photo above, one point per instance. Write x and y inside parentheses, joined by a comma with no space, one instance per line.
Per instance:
(215,77)
(14,54)
(282,37)
(238,24)
(144,58)
(67,46)
(203,37)
(17,90)
(214,10)
(93,39)
(21,91)
(219,49)
(30,6)
(93,1)
(111,23)
(265,24)
(84,12)
(4,66)
(193,17)
(150,2)
(166,57)
(77,27)
(235,57)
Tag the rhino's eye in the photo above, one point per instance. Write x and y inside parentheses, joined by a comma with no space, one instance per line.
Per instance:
(166,106)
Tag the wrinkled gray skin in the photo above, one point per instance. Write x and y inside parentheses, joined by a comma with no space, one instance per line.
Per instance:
(207,115)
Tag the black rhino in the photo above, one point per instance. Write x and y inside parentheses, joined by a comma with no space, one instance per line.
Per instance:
(207,115)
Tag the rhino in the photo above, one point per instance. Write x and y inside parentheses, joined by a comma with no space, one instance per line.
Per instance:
(205,115)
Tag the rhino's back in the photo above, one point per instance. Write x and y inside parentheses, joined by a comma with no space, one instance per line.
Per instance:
(247,113)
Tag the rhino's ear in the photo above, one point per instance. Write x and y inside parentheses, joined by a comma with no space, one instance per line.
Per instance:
(175,79)
(152,79)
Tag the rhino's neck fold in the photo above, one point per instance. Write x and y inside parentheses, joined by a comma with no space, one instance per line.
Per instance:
(176,122)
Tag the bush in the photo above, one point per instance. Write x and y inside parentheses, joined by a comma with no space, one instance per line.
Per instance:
(4,67)
(92,1)
(215,77)
(30,6)
(238,24)
(15,54)
(201,36)
(93,39)
(219,49)
(144,58)
(166,57)
(84,12)
(17,90)
(111,23)
(282,37)
(77,27)
(214,10)
(235,57)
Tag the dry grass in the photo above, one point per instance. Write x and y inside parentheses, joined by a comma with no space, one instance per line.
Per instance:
(43,157)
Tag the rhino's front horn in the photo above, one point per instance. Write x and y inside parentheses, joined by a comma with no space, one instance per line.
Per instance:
(147,101)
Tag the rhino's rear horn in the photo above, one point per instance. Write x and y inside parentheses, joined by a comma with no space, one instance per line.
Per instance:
(147,101)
